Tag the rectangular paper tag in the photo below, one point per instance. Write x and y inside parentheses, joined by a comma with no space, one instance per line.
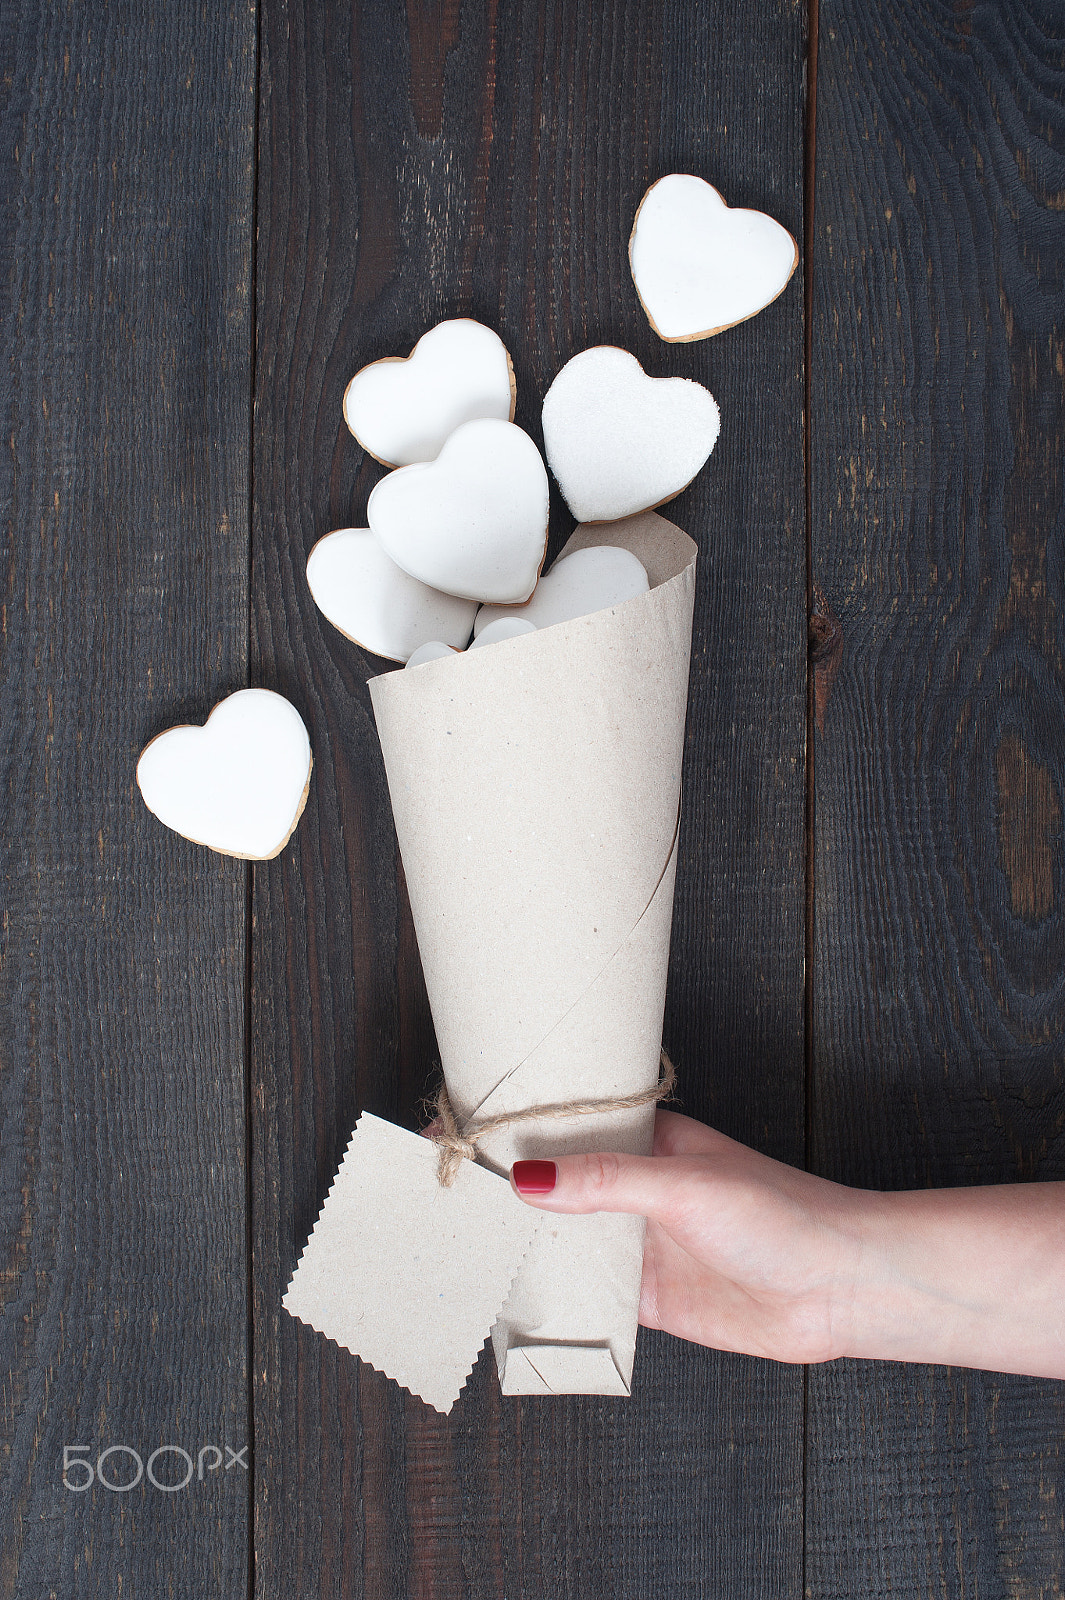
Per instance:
(404,1273)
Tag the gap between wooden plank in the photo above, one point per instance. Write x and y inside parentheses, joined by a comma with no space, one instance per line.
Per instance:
(249,879)
(809,200)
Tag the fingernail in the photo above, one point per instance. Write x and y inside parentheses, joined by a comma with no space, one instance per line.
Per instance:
(534,1177)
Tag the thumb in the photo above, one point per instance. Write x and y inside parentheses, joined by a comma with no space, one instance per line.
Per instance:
(600,1181)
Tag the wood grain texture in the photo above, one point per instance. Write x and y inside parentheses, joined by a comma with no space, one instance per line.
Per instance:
(126,152)
(938,537)
(419,161)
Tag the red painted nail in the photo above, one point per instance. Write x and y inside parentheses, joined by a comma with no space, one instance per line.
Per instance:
(534,1177)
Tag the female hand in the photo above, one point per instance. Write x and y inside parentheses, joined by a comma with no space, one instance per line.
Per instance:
(744,1253)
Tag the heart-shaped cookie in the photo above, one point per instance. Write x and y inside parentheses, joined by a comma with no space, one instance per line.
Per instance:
(239,783)
(698,265)
(402,409)
(576,585)
(431,650)
(378,605)
(505,627)
(474,521)
(620,442)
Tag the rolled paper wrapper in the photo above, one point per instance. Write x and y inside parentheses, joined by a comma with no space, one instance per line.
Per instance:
(536,792)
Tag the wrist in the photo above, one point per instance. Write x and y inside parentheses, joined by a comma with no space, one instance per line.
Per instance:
(897,1311)
(965,1277)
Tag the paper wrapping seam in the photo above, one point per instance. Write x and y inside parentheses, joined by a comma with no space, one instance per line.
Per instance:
(581,998)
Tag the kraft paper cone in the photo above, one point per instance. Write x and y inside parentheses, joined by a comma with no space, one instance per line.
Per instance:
(536,790)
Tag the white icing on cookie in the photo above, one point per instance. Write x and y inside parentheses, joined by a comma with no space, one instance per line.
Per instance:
(402,409)
(378,605)
(620,442)
(700,266)
(432,650)
(239,783)
(578,584)
(474,521)
(503,628)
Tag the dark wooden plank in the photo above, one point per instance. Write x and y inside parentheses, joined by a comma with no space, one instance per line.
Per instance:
(126,168)
(416,162)
(939,975)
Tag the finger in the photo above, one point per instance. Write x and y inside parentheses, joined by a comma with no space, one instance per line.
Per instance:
(601,1181)
(677,1135)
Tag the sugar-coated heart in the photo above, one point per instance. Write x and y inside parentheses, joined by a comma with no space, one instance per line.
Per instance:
(432,650)
(378,605)
(578,584)
(239,783)
(620,442)
(698,265)
(474,521)
(403,408)
(507,627)
(501,628)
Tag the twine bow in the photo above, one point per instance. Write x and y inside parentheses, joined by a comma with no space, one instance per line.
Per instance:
(457,1144)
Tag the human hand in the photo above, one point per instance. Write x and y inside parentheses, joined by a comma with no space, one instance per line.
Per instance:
(741,1252)
(744,1253)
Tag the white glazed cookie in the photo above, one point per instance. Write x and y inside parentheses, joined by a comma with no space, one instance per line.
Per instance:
(503,627)
(239,783)
(432,650)
(620,442)
(576,585)
(474,521)
(700,266)
(401,409)
(378,605)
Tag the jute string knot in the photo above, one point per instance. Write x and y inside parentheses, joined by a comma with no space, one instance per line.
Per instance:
(457,1144)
